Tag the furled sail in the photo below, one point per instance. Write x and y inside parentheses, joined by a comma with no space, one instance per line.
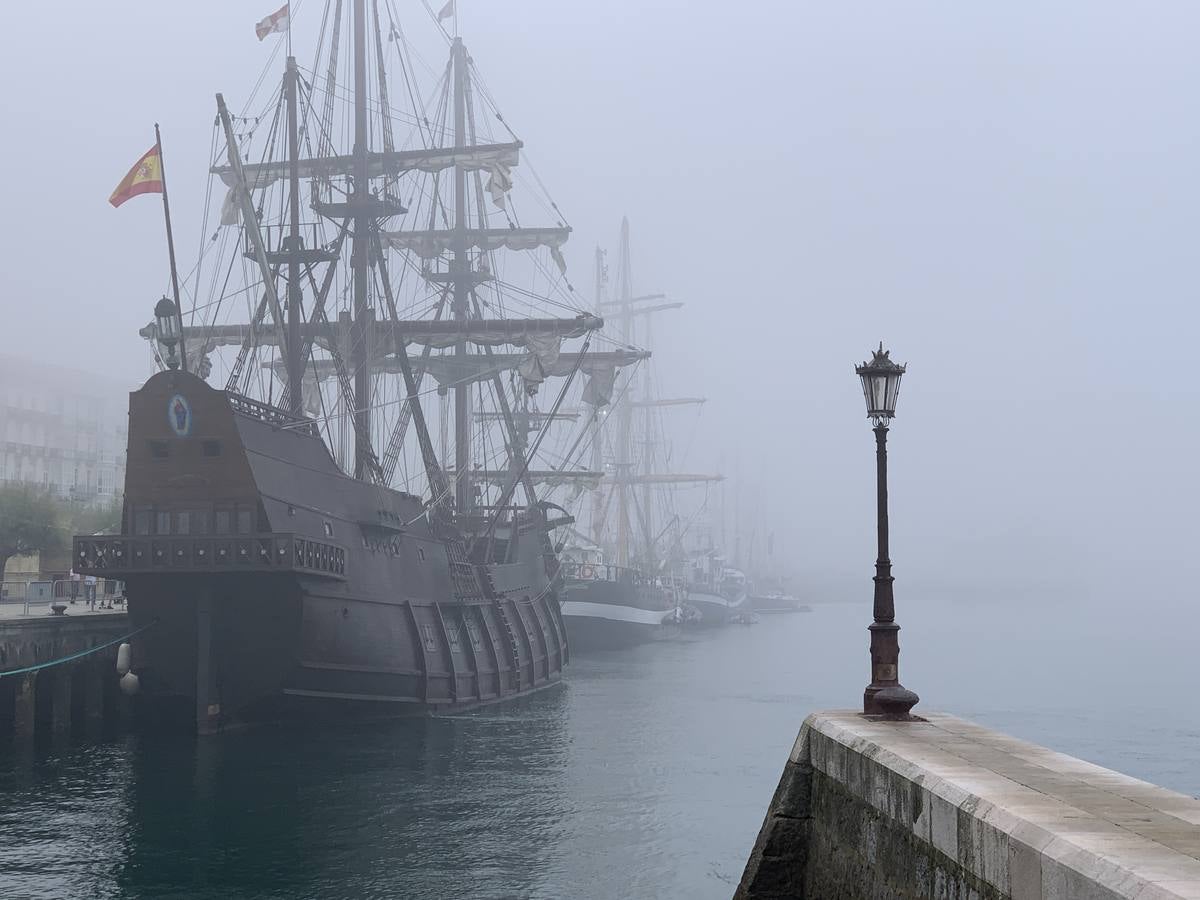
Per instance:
(599,367)
(537,335)
(496,159)
(585,480)
(432,244)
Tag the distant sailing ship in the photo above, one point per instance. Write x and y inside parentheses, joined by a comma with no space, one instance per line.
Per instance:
(273,551)
(626,581)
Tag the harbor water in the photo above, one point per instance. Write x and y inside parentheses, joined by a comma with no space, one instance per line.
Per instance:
(646,774)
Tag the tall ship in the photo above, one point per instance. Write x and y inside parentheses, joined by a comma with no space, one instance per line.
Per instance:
(625,579)
(329,506)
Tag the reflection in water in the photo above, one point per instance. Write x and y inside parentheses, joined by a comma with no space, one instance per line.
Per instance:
(646,774)
(415,808)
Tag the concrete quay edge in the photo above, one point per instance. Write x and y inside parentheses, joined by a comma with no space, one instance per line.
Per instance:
(1031,822)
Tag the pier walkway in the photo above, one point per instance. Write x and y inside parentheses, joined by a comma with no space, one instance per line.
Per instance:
(943,808)
(16,611)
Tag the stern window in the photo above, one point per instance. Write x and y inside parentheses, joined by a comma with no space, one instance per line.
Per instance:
(162,522)
(141,520)
(243,520)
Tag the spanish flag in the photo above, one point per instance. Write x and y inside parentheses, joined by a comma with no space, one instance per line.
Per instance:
(144,178)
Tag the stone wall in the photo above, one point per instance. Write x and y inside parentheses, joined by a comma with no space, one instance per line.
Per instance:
(59,698)
(946,809)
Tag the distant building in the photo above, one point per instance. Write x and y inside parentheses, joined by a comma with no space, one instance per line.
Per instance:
(62,430)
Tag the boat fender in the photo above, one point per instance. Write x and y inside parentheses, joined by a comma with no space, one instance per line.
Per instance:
(587,572)
(130,684)
(124,654)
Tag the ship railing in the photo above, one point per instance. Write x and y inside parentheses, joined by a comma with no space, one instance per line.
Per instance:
(584,571)
(272,415)
(274,237)
(122,556)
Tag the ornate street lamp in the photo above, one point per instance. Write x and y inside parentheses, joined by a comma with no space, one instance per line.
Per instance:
(166,316)
(884,696)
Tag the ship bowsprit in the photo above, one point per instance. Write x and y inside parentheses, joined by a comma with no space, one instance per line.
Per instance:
(278,585)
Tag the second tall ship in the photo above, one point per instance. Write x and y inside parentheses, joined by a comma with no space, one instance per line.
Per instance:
(627,578)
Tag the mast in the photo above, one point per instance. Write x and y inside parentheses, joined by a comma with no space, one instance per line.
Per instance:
(358,344)
(249,216)
(295,364)
(162,174)
(360,255)
(597,495)
(460,274)
(625,420)
(647,465)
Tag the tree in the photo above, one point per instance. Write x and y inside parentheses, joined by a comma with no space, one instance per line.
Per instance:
(30,521)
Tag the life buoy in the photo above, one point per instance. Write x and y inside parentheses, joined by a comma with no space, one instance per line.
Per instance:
(587,572)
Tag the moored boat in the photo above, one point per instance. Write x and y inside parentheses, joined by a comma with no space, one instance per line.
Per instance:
(777,602)
(717,592)
(609,607)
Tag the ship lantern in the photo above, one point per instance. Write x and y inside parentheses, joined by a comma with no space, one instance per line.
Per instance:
(166,317)
(881,386)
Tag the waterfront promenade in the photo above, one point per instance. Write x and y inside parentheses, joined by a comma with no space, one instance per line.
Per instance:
(15,612)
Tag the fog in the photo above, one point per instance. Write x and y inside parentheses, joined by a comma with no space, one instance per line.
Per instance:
(1005,195)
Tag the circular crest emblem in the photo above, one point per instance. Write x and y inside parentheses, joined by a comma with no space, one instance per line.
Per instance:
(179,415)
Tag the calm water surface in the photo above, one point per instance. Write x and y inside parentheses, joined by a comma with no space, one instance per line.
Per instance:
(645,775)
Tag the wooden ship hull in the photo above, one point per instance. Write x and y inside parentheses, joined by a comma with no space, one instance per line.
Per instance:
(268,581)
(717,605)
(606,608)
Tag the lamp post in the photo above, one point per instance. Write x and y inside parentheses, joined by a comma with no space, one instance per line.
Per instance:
(166,316)
(884,696)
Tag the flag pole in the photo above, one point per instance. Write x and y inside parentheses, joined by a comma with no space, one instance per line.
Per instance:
(162,171)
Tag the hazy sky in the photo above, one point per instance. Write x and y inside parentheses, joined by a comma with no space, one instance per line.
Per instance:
(1005,193)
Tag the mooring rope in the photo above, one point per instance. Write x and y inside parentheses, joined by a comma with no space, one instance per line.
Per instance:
(80,655)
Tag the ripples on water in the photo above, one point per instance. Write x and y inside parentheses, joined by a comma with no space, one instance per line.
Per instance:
(645,775)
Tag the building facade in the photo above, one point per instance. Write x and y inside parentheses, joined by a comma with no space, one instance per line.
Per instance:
(62,430)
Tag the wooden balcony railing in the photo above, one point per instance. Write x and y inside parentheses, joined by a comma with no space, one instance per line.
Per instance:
(121,556)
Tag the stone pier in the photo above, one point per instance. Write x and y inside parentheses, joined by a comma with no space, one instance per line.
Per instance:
(948,810)
(58,698)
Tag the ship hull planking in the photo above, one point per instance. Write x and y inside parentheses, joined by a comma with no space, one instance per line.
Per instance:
(269,582)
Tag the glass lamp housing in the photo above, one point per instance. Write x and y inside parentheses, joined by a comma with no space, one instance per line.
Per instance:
(167,320)
(881,385)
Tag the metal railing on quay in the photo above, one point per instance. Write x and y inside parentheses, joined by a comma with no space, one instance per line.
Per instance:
(31,595)
(12,591)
